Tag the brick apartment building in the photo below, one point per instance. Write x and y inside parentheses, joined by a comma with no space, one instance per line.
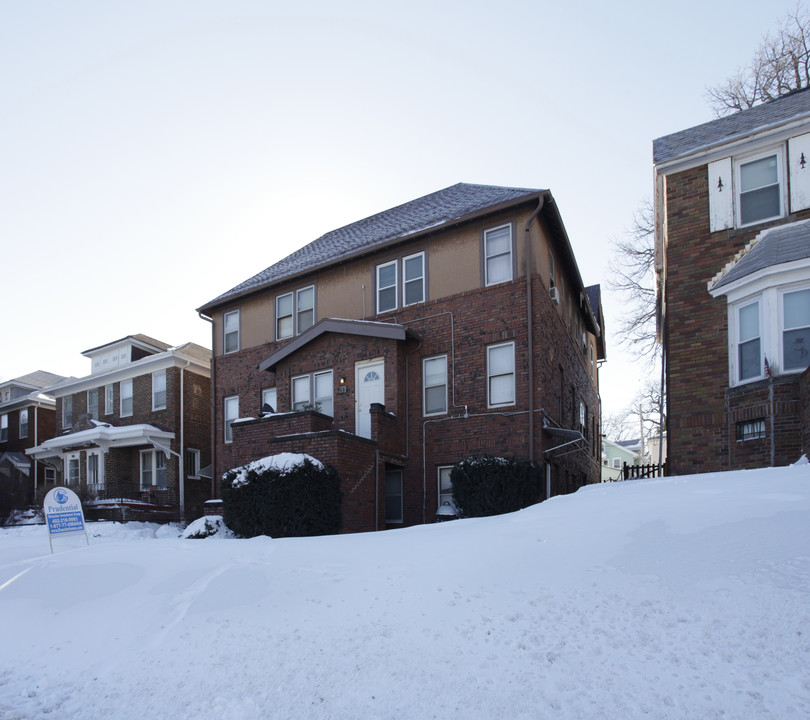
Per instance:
(135,433)
(733,261)
(27,415)
(453,325)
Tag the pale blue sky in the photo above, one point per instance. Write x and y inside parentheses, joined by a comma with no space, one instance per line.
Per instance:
(155,154)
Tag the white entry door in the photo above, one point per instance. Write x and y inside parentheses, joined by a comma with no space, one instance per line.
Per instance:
(370,384)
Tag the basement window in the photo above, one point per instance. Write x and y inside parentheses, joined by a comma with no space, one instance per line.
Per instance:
(751,430)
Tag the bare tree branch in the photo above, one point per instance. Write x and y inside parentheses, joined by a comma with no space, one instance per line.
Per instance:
(779,66)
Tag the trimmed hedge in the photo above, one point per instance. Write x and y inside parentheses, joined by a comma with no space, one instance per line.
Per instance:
(290,502)
(485,485)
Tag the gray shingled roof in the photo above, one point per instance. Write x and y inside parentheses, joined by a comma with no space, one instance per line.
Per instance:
(39,379)
(438,208)
(774,246)
(726,129)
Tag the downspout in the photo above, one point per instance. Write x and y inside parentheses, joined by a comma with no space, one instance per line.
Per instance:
(529,313)
(36,444)
(213,406)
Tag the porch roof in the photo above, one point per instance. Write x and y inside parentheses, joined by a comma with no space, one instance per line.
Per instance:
(366,328)
(104,436)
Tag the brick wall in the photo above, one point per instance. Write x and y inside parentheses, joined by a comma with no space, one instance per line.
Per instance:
(702,411)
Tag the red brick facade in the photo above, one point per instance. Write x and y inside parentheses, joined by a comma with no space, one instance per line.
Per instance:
(703,411)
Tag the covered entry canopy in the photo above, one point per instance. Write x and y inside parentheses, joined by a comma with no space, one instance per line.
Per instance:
(104,436)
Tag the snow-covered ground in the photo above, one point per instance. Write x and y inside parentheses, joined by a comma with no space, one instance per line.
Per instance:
(679,598)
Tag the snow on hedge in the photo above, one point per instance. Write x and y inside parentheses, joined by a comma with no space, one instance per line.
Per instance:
(283,462)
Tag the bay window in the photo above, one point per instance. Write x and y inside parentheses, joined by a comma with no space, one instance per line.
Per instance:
(796,332)
(748,342)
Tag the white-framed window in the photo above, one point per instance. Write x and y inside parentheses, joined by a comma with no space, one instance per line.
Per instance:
(192,467)
(95,469)
(4,427)
(159,390)
(153,469)
(498,255)
(314,391)
(796,330)
(230,332)
(305,309)
(269,401)
(284,316)
(617,462)
(749,348)
(23,423)
(413,279)
(67,411)
(92,403)
(434,385)
(72,474)
(125,392)
(231,413)
(445,486)
(109,400)
(501,374)
(760,187)
(387,286)
(393,496)
(295,312)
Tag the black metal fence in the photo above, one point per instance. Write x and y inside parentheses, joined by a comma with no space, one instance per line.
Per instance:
(632,472)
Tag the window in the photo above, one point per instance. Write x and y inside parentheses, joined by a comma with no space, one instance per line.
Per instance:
(387,287)
(501,375)
(109,400)
(230,333)
(305,300)
(73,469)
(498,255)
(759,189)
(153,469)
(313,392)
(751,430)
(95,473)
(23,423)
(295,312)
(192,468)
(3,428)
(92,403)
(125,390)
(446,486)
(50,475)
(551,280)
(393,496)
(159,390)
(796,334)
(748,343)
(67,411)
(583,419)
(284,316)
(413,279)
(269,401)
(434,373)
(231,405)
(617,463)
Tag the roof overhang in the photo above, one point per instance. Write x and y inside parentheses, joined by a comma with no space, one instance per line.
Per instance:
(363,328)
(104,437)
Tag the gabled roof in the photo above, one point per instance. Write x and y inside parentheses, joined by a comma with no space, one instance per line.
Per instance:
(732,127)
(36,380)
(139,338)
(453,204)
(773,246)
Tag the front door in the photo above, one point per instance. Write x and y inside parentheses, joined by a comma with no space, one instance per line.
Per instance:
(370,384)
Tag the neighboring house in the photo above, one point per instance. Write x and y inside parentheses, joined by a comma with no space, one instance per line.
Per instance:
(26,417)
(396,346)
(135,433)
(616,454)
(733,260)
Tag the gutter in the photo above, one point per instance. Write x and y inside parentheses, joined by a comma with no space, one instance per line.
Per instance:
(213,405)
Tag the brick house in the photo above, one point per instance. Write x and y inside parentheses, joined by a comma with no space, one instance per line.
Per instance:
(135,433)
(453,325)
(733,262)
(27,415)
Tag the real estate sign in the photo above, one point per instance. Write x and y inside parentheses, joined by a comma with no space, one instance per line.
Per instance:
(63,513)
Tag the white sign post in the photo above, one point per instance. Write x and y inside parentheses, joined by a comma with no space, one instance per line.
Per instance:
(63,513)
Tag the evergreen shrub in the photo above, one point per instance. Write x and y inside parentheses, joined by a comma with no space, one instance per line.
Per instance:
(292,500)
(486,485)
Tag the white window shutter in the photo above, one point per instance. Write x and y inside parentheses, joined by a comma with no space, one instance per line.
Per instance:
(799,151)
(721,195)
